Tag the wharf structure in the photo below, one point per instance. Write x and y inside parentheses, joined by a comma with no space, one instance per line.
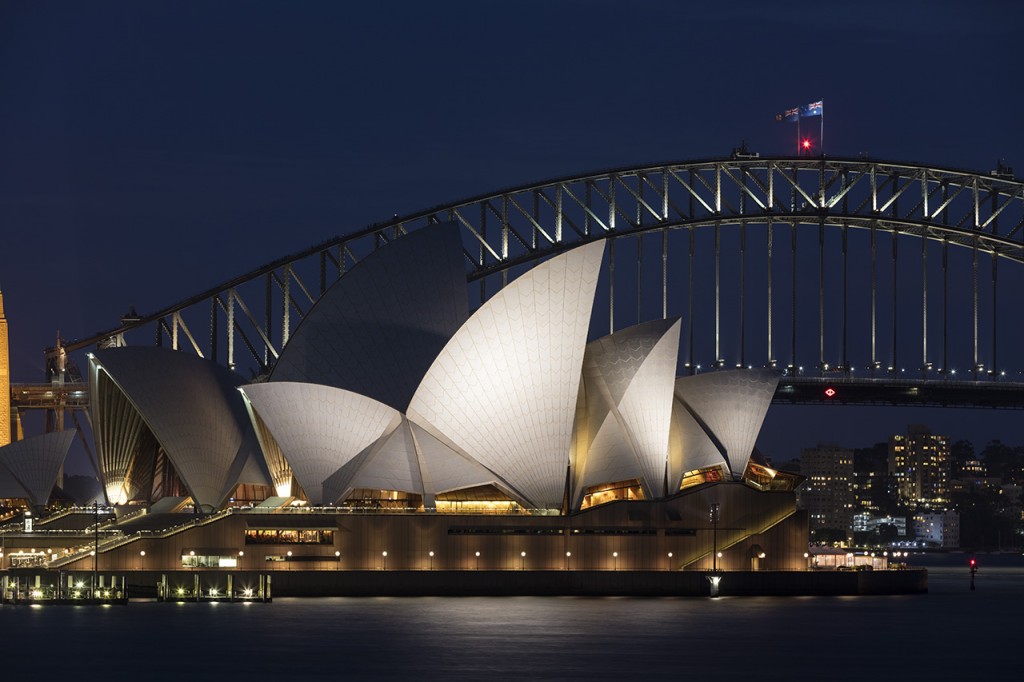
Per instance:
(397,432)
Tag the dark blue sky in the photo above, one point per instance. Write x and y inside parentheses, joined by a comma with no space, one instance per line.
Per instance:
(149,150)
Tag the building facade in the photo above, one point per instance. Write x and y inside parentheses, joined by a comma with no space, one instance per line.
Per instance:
(938,529)
(828,494)
(394,416)
(919,464)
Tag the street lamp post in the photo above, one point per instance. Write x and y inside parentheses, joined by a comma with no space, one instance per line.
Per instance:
(715,513)
(142,560)
(478,561)
(568,555)
(522,561)
(384,555)
(195,578)
(96,548)
(431,555)
(615,558)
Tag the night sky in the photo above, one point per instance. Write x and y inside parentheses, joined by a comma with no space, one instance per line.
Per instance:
(149,150)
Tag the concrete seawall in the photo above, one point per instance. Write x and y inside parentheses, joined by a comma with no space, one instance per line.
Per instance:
(568,583)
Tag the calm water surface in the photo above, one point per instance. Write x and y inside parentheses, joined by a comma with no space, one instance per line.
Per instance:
(951,633)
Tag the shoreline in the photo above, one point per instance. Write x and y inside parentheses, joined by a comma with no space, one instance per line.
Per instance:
(443,583)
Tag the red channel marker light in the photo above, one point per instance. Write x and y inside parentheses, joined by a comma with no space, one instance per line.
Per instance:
(973,562)
(830,392)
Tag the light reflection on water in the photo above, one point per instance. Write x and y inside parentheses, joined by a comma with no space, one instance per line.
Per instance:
(949,632)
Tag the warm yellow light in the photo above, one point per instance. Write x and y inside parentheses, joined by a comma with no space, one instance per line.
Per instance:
(116,492)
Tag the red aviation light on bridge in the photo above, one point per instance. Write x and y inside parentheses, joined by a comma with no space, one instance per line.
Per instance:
(806,144)
(830,392)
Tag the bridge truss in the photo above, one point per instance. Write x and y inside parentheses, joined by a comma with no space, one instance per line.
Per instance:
(837,265)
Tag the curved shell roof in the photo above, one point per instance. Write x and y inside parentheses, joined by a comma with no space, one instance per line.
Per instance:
(377,329)
(504,389)
(729,406)
(628,380)
(33,463)
(320,429)
(690,447)
(194,410)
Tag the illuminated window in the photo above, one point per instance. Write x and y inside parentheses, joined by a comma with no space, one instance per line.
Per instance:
(629,489)
(482,499)
(261,536)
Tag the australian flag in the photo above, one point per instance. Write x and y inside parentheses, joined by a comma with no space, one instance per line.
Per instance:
(812,109)
(789,115)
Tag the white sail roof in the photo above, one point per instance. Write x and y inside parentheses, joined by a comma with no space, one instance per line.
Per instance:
(628,379)
(34,464)
(377,330)
(504,388)
(690,447)
(193,408)
(445,469)
(390,463)
(320,429)
(729,406)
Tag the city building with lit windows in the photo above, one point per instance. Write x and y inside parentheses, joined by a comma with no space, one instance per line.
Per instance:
(919,464)
(398,430)
(937,529)
(828,493)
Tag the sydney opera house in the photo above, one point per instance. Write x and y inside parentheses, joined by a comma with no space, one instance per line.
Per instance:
(399,430)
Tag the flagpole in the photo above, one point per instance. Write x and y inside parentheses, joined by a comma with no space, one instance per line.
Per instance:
(821,141)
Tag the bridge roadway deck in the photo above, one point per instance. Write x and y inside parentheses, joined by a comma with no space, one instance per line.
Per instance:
(50,396)
(895,392)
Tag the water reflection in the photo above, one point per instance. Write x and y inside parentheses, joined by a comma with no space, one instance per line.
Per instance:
(537,638)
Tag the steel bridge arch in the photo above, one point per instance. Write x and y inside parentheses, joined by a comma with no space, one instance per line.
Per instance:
(514,227)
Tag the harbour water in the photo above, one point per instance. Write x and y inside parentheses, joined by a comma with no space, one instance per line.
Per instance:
(950,633)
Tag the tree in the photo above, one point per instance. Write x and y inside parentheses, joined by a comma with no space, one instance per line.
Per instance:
(1001,460)
(961,451)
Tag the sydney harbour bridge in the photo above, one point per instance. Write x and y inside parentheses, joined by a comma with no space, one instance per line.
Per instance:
(862,281)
